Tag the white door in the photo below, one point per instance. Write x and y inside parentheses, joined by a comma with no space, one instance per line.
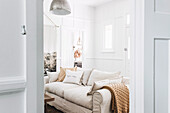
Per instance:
(156,56)
(18,57)
(12,56)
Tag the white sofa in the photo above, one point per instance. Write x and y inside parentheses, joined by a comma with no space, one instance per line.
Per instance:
(72,98)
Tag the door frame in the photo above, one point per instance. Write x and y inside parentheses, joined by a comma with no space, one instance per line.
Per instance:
(34,53)
(35,56)
(137,56)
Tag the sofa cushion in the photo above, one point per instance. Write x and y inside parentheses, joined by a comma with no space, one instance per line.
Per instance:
(86,75)
(79,96)
(62,73)
(46,80)
(58,88)
(97,75)
(52,76)
(73,77)
(99,84)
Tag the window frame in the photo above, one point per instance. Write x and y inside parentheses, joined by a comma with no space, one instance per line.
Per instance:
(104,49)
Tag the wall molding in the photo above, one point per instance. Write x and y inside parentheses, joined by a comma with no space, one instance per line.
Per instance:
(103,58)
(12,84)
(160,12)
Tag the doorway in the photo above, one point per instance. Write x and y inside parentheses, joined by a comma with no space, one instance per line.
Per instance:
(103,57)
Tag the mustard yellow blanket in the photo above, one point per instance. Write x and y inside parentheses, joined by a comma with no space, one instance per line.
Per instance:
(120,97)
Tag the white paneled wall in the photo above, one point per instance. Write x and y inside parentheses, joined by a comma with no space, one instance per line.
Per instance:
(90,21)
(50,39)
(80,20)
(67,55)
(114,13)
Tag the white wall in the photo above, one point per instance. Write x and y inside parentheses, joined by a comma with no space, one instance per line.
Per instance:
(50,38)
(91,21)
(81,19)
(111,13)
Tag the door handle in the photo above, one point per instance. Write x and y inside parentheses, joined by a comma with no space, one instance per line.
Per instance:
(23,30)
(125,49)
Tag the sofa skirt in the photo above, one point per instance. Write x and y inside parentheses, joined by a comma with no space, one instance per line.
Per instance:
(67,106)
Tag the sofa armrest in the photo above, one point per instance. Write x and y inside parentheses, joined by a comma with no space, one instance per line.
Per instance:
(46,80)
(102,101)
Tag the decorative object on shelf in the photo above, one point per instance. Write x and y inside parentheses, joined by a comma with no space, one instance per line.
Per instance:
(74,47)
(78,64)
(79,40)
(77,54)
(78,49)
(60,7)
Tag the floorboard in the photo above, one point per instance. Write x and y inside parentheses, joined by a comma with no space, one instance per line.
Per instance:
(52,109)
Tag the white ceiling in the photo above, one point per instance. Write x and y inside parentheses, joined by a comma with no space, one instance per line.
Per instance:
(93,3)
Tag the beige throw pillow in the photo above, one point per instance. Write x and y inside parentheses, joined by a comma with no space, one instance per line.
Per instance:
(52,76)
(73,77)
(99,84)
(62,74)
(97,75)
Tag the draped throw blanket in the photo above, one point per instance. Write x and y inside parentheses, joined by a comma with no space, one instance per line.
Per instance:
(120,97)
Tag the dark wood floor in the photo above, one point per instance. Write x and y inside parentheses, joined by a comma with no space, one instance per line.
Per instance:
(52,109)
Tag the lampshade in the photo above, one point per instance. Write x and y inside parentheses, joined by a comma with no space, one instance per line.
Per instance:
(60,7)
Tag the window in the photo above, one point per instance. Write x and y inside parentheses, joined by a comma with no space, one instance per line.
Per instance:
(108,37)
(128,19)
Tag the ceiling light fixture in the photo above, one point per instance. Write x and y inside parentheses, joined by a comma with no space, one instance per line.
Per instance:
(60,7)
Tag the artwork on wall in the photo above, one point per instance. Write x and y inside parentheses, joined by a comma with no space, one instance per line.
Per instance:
(50,62)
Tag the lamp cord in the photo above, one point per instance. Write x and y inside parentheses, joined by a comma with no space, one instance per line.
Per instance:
(51,20)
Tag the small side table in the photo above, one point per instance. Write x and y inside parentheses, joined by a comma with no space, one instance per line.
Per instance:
(47,98)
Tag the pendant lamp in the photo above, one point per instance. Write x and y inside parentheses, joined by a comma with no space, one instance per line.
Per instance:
(60,7)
